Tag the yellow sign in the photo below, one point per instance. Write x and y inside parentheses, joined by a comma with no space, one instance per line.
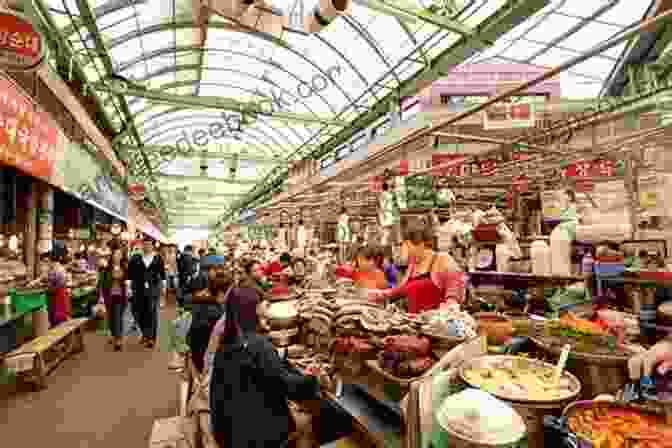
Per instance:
(648,199)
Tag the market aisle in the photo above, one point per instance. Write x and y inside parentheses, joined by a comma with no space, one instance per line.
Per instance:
(97,399)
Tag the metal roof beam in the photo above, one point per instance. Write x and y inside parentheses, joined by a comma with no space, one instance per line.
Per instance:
(205,102)
(89,19)
(64,53)
(237,181)
(420,14)
(502,21)
(209,154)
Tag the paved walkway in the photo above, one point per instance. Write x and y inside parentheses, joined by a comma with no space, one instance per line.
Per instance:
(97,399)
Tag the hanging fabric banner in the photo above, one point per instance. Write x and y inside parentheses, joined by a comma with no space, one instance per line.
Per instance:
(488,167)
(376,184)
(403,167)
(521,184)
(456,169)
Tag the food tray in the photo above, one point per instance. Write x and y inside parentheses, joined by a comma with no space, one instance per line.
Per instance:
(571,409)
(404,382)
(601,357)
(483,361)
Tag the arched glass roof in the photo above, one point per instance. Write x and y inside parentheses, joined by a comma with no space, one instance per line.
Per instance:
(325,81)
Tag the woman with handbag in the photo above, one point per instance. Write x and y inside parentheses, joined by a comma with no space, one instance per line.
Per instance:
(112,287)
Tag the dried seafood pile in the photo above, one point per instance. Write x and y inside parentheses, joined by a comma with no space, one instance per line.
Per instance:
(352,317)
(12,274)
(447,324)
(317,364)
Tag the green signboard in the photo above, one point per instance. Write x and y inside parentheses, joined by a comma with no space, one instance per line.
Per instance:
(85,178)
(420,192)
(256,232)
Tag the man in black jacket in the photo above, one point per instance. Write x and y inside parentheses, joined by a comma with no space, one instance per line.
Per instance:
(147,273)
(186,267)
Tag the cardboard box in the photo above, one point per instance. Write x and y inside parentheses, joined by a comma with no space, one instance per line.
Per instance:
(174,432)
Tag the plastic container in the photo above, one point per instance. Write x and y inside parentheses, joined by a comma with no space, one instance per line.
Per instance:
(561,249)
(496,328)
(587,264)
(540,253)
(27,300)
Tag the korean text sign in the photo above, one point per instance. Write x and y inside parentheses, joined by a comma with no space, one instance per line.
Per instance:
(21,45)
(29,139)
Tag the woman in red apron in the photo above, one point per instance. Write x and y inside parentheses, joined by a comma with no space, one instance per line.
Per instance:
(59,299)
(433,279)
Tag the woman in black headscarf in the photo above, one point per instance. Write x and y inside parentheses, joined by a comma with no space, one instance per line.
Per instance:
(250,382)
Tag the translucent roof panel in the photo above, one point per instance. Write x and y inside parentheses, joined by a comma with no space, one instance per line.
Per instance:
(563,30)
(332,76)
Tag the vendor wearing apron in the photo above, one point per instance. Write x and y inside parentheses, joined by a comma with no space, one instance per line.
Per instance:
(432,280)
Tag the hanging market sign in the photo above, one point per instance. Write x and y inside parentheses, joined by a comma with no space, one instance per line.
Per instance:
(457,169)
(488,167)
(376,184)
(136,192)
(403,167)
(593,168)
(508,116)
(29,139)
(521,184)
(22,47)
(85,178)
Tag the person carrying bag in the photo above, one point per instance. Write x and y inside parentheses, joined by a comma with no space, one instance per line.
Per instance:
(250,382)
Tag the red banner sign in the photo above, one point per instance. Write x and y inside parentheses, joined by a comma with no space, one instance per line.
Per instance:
(508,200)
(457,169)
(403,167)
(136,192)
(488,167)
(21,45)
(376,184)
(28,138)
(594,168)
(520,156)
(521,184)
(584,186)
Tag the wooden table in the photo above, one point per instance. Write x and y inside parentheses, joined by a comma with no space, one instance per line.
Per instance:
(35,359)
(9,329)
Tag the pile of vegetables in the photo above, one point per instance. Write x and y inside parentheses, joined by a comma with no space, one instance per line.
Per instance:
(406,356)
(581,327)
(608,427)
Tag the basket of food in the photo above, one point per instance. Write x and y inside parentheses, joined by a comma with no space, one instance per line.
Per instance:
(498,329)
(612,424)
(403,358)
(529,385)
(595,358)
(475,419)
(445,330)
